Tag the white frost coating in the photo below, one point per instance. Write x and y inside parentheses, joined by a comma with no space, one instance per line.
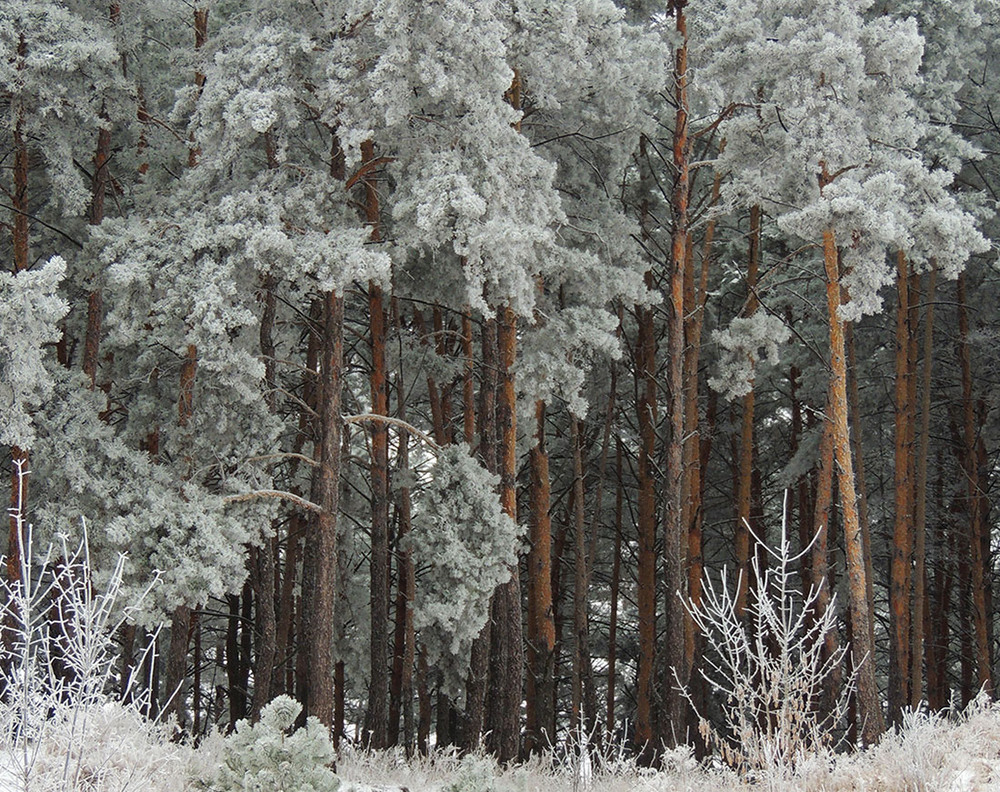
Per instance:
(824,88)
(29,310)
(745,344)
(463,547)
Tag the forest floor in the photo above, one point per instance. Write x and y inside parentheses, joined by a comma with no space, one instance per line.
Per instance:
(928,753)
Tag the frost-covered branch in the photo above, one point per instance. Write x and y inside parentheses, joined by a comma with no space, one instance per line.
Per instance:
(362,417)
(278,494)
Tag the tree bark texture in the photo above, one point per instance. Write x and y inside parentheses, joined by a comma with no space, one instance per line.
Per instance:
(869,707)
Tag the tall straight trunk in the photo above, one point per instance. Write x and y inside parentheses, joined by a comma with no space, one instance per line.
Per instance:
(377,716)
(977,561)
(468,382)
(646,412)
(180,626)
(478,666)
(234,663)
(424,704)
(869,709)
(860,485)
(920,609)
(646,596)
(745,476)
(180,623)
(436,396)
(673,725)
(939,635)
(263,569)
(98,193)
(801,486)
(902,545)
(196,663)
(615,586)
(541,630)
(693,468)
(200,38)
(319,586)
(507,651)
(406,586)
(99,187)
(820,554)
(583,702)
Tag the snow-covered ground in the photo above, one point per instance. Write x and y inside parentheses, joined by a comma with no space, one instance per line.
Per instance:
(115,752)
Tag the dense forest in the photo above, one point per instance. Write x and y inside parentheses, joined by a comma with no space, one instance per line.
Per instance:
(435,357)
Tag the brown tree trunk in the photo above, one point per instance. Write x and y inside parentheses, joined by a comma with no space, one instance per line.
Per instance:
(902,544)
(920,609)
(541,627)
(319,586)
(377,717)
(405,643)
(478,666)
(976,532)
(869,707)
(820,554)
(673,725)
(507,651)
(234,663)
(745,477)
(468,382)
(99,186)
(263,571)
(693,469)
(583,703)
(860,485)
(616,568)
(646,407)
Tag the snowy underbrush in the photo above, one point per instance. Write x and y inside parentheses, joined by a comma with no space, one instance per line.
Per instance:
(930,753)
(60,726)
(448,771)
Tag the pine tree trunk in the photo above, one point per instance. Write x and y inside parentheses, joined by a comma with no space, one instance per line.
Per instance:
(541,628)
(922,444)
(869,708)
(582,706)
(401,697)
(479,662)
(610,724)
(693,468)
(860,485)
(234,665)
(507,652)
(263,572)
(976,532)
(673,726)
(180,634)
(377,716)
(646,596)
(743,498)
(99,186)
(899,573)
(319,587)
(820,554)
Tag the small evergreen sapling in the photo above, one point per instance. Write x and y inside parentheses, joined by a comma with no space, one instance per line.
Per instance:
(269,757)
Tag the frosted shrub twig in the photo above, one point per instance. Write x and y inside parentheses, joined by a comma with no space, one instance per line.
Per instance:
(768,667)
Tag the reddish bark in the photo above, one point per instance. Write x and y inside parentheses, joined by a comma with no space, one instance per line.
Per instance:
(899,572)
(869,708)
